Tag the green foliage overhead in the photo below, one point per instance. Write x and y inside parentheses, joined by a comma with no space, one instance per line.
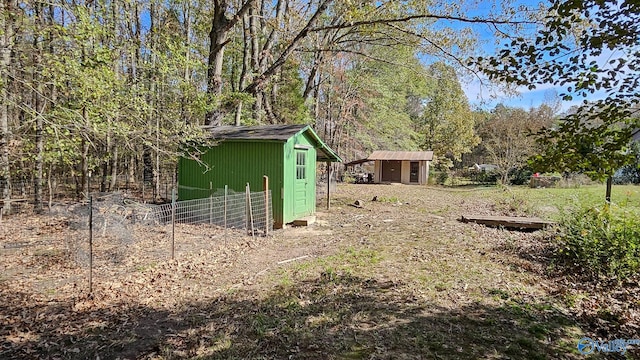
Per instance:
(114,87)
(585,144)
(586,48)
(289,104)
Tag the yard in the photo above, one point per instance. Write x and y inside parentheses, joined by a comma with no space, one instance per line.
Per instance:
(399,278)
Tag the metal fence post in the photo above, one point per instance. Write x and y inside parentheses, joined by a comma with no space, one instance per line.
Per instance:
(250,212)
(173,223)
(265,187)
(210,203)
(90,244)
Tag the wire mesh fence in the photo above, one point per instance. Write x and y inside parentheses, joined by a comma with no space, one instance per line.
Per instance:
(115,236)
(242,211)
(112,238)
(17,189)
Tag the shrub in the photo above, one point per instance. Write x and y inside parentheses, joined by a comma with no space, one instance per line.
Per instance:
(520,176)
(600,241)
(630,174)
(514,205)
(441,177)
(487,177)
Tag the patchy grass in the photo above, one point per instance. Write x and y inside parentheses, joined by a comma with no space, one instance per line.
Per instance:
(550,202)
(545,200)
(392,280)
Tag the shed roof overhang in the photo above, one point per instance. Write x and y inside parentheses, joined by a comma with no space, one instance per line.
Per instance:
(357,162)
(274,133)
(324,152)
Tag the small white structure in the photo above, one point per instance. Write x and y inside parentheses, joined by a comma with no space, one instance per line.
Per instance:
(406,167)
(484,168)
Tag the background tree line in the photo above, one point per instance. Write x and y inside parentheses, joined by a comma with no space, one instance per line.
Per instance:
(109,90)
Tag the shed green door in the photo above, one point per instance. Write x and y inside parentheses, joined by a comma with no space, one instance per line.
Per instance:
(301,183)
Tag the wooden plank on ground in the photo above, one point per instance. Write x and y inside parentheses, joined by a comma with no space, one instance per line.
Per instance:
(508,221)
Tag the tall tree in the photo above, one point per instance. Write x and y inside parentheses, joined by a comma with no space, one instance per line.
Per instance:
(589,48)
(106,87)
(447,120)
(508,136)
(222,22)
(386,90)
(8,12)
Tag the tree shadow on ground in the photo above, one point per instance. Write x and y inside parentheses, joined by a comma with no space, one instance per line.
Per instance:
(604,307)
(328,317)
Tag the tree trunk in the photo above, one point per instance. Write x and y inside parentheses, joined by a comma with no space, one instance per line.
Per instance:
(105,173)
(84,171)
(114,168)
(255,62)
(237,121)
(260,81)
(221,26)
(218,40)
(186,77)
(608,192)
(7,9)
(39,110)
(104,181)
(246,63)
(131,171)
(156,169)
(38,180)
(154,104)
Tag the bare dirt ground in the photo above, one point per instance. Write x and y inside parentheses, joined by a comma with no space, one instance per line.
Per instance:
(399,278)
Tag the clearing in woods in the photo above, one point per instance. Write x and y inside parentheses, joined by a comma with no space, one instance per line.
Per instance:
(399,278)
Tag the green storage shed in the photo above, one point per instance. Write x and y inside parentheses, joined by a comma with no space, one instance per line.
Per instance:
(287,154)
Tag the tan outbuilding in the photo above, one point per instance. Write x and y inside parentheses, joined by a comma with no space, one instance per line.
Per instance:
(406,167)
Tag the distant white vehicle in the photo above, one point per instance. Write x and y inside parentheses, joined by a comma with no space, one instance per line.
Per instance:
(484,168)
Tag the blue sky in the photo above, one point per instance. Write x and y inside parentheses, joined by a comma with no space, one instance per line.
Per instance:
(488,96)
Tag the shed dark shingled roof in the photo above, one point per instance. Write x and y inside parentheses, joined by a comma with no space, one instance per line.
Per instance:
(272,133)
(262,132)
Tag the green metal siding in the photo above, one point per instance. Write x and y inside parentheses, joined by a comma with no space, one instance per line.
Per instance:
(235,163)
(301,140)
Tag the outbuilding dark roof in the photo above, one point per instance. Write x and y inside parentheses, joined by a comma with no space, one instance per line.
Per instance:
(261,132)
(273,133)
(357,162)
